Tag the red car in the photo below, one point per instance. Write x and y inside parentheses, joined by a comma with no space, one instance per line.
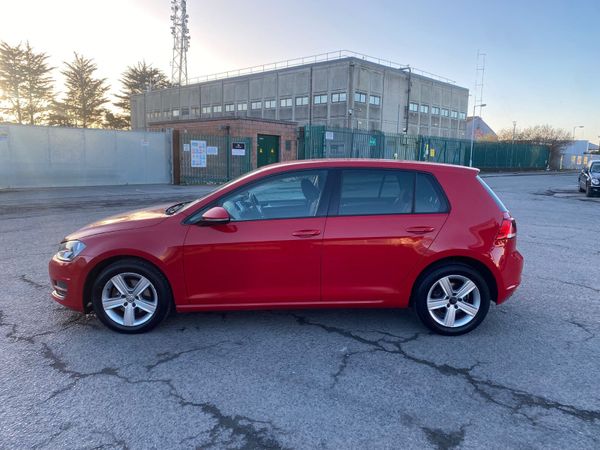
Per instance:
(306,234)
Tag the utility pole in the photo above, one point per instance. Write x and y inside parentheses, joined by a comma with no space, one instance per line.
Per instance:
(479,71)
(181,42)
(514,131)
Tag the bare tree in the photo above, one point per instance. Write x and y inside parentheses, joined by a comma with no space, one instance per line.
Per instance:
(555,138)
(85,95)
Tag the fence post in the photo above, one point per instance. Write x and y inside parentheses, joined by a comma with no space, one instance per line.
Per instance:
(176,152)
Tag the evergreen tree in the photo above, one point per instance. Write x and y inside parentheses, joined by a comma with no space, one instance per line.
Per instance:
(85,94)
(12,80)
(138,79)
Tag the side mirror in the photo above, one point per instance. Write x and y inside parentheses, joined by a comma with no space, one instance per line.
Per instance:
(215,216)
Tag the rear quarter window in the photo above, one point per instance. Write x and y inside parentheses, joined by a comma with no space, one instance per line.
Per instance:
(429,196)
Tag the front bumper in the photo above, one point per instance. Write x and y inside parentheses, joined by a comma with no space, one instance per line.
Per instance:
(68,280)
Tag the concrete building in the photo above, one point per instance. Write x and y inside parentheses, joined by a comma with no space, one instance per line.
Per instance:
(576,154)
(341,89)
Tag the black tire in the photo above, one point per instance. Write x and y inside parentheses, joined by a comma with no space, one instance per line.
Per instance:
(163,301)
(431,277)
(579,186)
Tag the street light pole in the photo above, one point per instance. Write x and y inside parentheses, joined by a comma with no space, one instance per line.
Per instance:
(475,105)
(576,126)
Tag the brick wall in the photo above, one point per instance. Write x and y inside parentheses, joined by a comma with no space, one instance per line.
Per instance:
(240,127)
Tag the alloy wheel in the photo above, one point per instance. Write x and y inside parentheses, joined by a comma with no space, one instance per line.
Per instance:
(129,299)
(453,301)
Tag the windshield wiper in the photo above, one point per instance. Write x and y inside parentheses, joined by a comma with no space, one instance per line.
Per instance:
(176,207)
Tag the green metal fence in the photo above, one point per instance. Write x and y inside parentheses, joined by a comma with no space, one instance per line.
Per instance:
(213,159)
(327,142)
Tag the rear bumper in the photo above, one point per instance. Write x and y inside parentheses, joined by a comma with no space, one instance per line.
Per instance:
(67,280)
(511,270)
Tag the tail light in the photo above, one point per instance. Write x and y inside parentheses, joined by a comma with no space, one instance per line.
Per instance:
(508,229)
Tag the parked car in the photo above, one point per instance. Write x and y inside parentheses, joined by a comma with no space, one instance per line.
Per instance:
(310,234)
(589,178)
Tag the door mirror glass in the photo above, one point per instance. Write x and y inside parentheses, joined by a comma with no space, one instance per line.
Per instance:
(215,216)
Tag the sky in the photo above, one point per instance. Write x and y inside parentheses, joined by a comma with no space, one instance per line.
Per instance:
(542,57)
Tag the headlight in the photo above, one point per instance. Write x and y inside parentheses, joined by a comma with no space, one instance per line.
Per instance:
(595,181)
(67,251)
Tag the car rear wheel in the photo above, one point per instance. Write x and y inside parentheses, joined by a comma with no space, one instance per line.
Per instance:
(452,299)
(131,296)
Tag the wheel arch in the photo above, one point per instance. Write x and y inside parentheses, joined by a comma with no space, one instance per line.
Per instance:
(102,264)
(475,264)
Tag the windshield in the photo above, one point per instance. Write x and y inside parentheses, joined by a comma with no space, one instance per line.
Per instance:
(595,168)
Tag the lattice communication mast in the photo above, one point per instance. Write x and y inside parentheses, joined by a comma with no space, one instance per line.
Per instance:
(181,42)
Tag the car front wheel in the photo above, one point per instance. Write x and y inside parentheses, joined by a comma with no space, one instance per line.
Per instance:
(131,296)
(452,299)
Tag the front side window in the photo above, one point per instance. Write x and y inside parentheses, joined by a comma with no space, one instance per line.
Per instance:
(287,196)
(368,192)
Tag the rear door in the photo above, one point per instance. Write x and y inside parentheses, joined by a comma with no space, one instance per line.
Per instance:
(377,230)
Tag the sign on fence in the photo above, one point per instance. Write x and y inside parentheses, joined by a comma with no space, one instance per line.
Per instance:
(238,148)
(198,156)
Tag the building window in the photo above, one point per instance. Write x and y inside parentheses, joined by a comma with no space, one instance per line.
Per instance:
(270,104)
(320,99)
(454,114)
(185,111)
(462,116)
(435,110)
(338,97)
(301,101)
(176,113)
(414,107)
(286,102)
(206,110)
(360,97)
(195,110)
(242,106)
(255,105)
(444,112)
(230,107)
(217,109)
(167,113)
(374,100)
(424,109)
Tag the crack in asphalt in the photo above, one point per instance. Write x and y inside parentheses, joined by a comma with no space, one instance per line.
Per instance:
(239,429)
(570,283)
(591,334)
(166,357)
(521,400)
(35,284)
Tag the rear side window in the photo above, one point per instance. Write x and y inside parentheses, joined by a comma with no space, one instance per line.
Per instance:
(429,197)
(373,191)
(493,195)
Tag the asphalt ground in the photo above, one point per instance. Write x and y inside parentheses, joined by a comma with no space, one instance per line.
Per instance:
(528,377)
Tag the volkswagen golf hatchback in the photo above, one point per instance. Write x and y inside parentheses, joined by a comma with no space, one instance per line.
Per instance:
(307,234)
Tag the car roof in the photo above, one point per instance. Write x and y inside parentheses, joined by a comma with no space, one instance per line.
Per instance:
(367,163)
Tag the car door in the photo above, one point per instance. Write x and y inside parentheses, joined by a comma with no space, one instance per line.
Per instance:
(377,231)
(270,251)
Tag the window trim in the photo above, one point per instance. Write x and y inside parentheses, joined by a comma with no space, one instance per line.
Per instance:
(334,204)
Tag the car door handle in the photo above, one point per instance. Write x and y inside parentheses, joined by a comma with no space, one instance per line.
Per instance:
(420,229)
(306,233)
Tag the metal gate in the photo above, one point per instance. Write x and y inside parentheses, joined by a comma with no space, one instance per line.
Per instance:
(213,159)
